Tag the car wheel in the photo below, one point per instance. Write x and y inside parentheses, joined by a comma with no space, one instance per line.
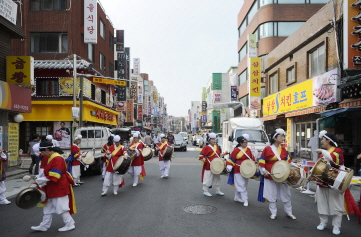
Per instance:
(185,148)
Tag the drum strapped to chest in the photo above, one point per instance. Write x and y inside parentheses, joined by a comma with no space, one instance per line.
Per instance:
(248,168)
(132,154)
(147,153)
(88,159)
(330,176)
(28,198)
(168,153)
(297,177)
(218,166)
(122,165)
(280,171)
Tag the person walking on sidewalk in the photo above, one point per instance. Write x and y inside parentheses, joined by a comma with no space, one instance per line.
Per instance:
(34,157)
(3,200)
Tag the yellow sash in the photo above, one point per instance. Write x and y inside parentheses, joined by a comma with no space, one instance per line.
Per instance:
(134,145)
(163,144)
(52,156)
(240,153)
(214,150)
(116,150)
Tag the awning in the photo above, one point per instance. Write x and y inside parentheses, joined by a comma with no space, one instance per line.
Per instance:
(338,111)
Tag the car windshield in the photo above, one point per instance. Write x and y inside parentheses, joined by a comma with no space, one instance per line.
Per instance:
(178,137)
(183,134)
(254,135)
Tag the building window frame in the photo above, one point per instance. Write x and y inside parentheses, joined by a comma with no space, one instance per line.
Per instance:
(46,42)
(273,83)
(48,5)
(291,74)
(47,86)
(91,52)
(102,62)
(101,28)
(318,53)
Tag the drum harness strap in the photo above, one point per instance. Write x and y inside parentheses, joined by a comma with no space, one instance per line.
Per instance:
(214,152)
(243,153)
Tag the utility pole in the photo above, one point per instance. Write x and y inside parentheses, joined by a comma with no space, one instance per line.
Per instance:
(74,80)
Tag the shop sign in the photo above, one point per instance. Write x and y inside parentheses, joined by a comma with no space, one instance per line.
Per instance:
(66,86)
(204,105)
(8,10)
(134,91)
(217,97)
(252,46)
(119,40)
(140,111)
(140,91)
(101,114)
(234,93)
(255,83)
(129,111)
(15,98)
(90,21)
(150,111)
(109,81)
(136,66)
(13,143)
(20,70)
(155,97)
(120,106)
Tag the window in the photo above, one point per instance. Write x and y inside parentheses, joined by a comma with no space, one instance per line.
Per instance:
(286,29)
(252,12)
(243,77)
(91,52)
(266,30)
(277,29)
(316,61)
(111,41)
(49,42)
(273,83)
(243,52)
(93,91)
(291,2)
(47,5)
(111,70)
(242,28)
(47,87)
(102,29)
(104,97)
(102,62)
(245,100)
(98,134)
(290,77)
(265,2)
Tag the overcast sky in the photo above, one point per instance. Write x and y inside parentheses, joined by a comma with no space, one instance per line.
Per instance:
(179,43)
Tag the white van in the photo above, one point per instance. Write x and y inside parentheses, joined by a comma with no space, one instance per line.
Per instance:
(235,127)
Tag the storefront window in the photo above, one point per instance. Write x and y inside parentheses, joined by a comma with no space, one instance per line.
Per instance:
(304,132)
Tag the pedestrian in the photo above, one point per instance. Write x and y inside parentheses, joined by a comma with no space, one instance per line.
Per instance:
(75,162)
(209,179)
(170,137)
(273,190)
(330,202)
(137,167)
(34,157)
(59,192)
(148,140)
(111,177)
(50,139)
(3,158)
(164,165)
(104,150)
(156,140)
(240,153)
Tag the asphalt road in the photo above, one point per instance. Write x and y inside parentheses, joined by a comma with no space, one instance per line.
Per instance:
(156,208)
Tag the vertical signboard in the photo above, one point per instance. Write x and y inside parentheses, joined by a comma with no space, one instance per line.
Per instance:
(140,90)
(140,111)
(217,97)
(351,36)
(289,135)
(1,138)
(127,64)
(20,70)
(155,97)
(134,91)
(90,21)
(13,143)
(234,93)
(252,46)
(136,66)
(255,83)
(204,105)
(119,43)
(129,111)
(121,59)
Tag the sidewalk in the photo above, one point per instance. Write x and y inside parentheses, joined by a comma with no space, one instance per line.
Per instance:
(14,180)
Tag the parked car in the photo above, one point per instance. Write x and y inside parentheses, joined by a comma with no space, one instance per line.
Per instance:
(179,142)
(198,141)
(185,136)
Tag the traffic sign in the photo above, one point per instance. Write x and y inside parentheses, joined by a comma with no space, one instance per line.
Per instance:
(109,81)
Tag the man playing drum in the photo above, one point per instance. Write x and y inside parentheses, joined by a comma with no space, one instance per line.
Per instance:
(164,165)
(75,162)
(104,150)
(137,167)
(207,154)
(240,153)
(57,185)
(113,153)
(273,190)
(330,202)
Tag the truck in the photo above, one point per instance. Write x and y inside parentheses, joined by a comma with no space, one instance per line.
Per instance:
(93,139)
(235,127)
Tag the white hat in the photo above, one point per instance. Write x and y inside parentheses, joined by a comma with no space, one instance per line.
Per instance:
(112,135)
(212,135)
(162,135)
(135,134)
(279,131)
(117,138)
(246,136)
(78,137)
(49,137)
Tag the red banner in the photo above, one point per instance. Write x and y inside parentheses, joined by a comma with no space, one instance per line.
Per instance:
(13,97)
(140,111)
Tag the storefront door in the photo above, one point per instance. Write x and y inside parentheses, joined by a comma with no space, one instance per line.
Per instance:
(304,132)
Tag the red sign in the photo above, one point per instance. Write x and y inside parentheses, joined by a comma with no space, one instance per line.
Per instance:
(13,97)
(140,111)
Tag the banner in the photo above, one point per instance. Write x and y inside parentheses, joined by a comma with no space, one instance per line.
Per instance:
(90,21)
(140,111)
(119,40)
(129,111)
(204,105)
(13,144)
(217,97)
(155,97)
(121,93)
(136,66)
(134,91)
(62,133)
(109,81)
(140,90)
(66,86)
(20,70)
(252,46)
(234,93)
(255,83)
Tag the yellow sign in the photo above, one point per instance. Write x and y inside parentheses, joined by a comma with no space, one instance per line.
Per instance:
(155,97)
(109,81)
(290,99)
(20,70)
(13,143)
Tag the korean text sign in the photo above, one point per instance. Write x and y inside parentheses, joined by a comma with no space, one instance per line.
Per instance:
(90,22)
(20,70)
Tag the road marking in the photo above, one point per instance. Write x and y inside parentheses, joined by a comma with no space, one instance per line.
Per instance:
(194,149)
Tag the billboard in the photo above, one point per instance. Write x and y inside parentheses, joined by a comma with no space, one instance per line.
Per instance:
(119,40)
